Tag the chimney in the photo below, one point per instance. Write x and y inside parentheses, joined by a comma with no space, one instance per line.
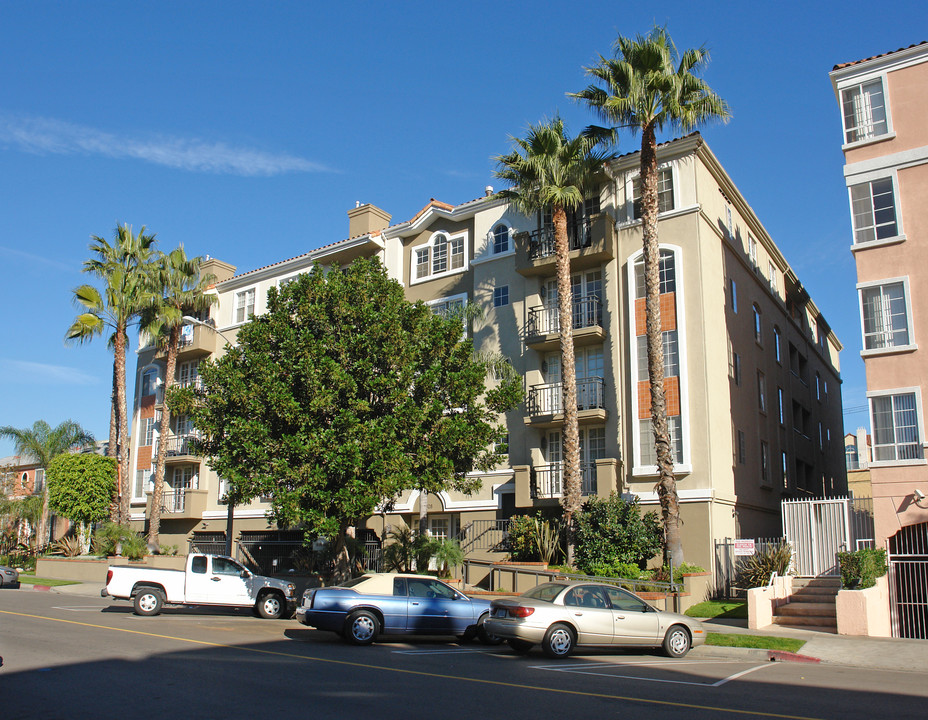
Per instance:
(221,270)
(367,218)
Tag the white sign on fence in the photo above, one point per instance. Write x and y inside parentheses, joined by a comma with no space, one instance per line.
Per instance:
(744,547)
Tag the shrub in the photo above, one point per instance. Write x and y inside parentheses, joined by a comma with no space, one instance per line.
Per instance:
(408,550)
(448,555)
(626,571)
(755,571)
(613,530)
(861,568)
(112,537)
(68,546)
(521,539)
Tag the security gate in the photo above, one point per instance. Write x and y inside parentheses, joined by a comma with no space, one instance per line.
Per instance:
(817,530)
(908,581)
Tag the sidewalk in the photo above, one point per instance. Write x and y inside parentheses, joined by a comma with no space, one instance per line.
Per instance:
(862,652)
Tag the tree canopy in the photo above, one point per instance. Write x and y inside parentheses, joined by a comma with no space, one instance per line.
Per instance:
(80,487)
(342,395)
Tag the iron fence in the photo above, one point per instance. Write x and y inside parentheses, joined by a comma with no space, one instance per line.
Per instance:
(726,563)
(908,581)
(484,535)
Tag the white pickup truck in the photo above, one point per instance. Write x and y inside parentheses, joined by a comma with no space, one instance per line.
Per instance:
(207,580)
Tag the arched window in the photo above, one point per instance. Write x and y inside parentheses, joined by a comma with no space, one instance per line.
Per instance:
(442,255)
(149,382)
(500,237)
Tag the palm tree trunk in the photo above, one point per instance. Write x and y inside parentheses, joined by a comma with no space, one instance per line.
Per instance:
(125,490)
(41,533)
(667,484)
(157,496)
(111,448)
(570,491)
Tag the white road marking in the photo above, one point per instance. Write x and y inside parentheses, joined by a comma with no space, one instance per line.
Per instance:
(589,669)
(77,608)
(443,651)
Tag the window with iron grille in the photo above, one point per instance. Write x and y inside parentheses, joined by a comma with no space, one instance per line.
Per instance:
(884,309)
(896,430)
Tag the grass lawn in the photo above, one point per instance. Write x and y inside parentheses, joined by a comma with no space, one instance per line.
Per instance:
(719,609)
(33,580)
(764,642)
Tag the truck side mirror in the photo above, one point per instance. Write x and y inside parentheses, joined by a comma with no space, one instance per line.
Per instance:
(245,574)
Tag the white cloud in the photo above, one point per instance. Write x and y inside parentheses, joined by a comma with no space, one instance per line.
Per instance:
(44,136)
(55,374)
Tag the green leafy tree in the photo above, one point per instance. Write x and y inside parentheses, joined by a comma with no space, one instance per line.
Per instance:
(178,289)
(613,530)
(80,488)
(548,171)
(648,86)
(43,443)
(123,267)
(342,395)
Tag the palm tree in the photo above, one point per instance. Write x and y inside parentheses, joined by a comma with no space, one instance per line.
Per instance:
(123,266)
(43,444)
(548,171)
(646,87)
(179,289)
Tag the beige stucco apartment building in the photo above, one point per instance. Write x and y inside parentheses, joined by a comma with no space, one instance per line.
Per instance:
(884,103)
(752,366)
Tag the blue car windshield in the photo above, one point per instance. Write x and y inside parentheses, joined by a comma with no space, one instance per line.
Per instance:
(546,592)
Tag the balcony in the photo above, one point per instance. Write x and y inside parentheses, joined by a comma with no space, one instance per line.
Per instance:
(179,448)
(547,480)
(180,503)
(592,242)
(543,329)
(195,341)
(545,403)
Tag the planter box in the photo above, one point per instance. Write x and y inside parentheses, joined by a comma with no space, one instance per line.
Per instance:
(864,612)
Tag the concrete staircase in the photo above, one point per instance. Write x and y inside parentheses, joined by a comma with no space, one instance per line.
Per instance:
(811,606)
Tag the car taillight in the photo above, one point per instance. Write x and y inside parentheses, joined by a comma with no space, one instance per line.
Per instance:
(520,611)
(109,576)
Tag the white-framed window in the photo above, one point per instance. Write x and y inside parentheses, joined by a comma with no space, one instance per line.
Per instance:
(187,373)
(184,476)
(729,221)
(500,239)
(144,479)
(646,440)
(733,295)
(777,352)
(665,201)
(449,305)
(772,277)
(149,428)
(758,326)
(444,254)
(752,251)
(885,313)
(501,296)
(895,419)
(671,354)
(873,210)
(864,110)
(244,305)
(149,382)
(39,485)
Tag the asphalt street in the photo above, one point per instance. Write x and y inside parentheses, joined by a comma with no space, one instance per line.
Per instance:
(84,657)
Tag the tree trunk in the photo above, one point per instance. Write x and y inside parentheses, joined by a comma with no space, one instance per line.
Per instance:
(571,484)
(157,496)
(423,513)
(666,485)
(111,448)
(342,565)
(41,533)
(125,488)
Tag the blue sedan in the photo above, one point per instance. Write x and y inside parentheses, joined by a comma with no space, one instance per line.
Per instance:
(391,604)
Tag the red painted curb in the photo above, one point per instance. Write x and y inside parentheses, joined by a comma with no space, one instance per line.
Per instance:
(42,587)
(784,656)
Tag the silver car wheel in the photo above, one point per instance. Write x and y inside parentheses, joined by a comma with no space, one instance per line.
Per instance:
(148,602)
(559,641)
(362,628)
(677,642)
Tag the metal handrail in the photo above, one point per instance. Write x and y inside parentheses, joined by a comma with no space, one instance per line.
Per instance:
(544,319)
(547,398)
(541,241)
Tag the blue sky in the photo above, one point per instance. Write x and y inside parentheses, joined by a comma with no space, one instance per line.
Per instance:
(246,131)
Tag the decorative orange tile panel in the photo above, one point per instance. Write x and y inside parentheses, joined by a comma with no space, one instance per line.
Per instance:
(671,397)
(147,407)
(144,457)
(668,314)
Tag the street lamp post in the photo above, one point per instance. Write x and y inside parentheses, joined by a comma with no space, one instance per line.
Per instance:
(230,516)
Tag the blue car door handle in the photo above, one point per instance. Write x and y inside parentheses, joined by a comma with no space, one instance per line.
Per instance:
(415,603)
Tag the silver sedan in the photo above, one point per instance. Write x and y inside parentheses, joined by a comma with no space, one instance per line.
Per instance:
(8,577)
(562,615)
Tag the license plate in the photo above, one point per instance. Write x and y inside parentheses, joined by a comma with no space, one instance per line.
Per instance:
(500,612)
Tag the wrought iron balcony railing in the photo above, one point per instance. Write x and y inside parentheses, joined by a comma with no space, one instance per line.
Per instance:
(179,445)
(545,319)
(541,241)
(548,480)
(547,399)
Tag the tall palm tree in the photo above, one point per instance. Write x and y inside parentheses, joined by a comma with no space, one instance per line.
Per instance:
(644,88)
(179,288)
(123,266)
(43,444)
(549,171)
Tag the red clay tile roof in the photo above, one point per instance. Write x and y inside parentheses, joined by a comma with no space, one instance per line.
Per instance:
(858,62)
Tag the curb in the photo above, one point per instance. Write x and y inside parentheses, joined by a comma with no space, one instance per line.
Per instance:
(785,656)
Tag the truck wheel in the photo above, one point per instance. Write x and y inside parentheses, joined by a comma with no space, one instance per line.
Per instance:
(361,628)
(271,606)
(148,601)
